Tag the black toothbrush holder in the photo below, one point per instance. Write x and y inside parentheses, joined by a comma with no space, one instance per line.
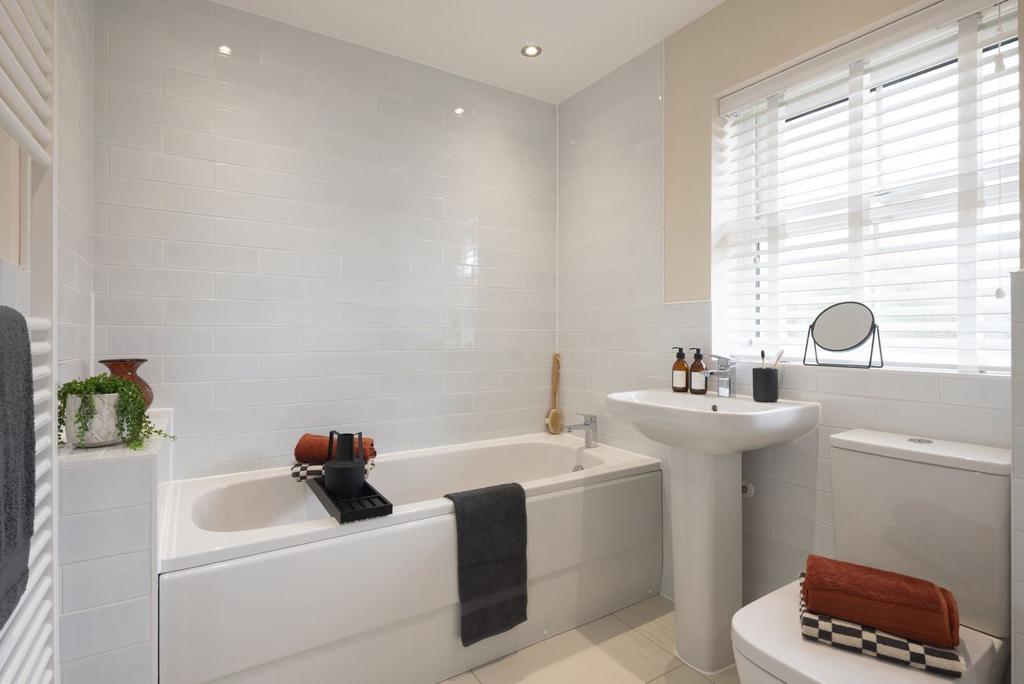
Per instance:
(766,384)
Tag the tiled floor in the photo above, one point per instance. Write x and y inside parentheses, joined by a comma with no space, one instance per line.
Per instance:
(635,645)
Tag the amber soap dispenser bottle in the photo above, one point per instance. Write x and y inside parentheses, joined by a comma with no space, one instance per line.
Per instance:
(698,381)
(680,372)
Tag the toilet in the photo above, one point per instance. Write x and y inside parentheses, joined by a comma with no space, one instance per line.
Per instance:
(928,508)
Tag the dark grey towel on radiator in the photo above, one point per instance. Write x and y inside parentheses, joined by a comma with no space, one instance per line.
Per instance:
(17,459)
(491,529)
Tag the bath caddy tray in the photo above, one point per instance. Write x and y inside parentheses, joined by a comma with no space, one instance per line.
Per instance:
(369,504)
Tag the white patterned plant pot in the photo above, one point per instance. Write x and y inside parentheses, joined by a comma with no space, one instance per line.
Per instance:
(103,427)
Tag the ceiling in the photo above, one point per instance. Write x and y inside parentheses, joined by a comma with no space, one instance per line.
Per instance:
(480,39)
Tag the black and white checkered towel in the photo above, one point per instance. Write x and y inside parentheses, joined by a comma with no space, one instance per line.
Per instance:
(878,644)
(303,471)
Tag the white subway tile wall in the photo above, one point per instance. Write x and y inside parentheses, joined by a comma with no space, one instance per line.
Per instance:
(791,512)
(305,236)
(107,574)
(108,561)
(614,331)
(73,160)
(1017,482)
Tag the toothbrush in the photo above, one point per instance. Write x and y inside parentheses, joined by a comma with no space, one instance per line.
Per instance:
(778,357)
(762,359)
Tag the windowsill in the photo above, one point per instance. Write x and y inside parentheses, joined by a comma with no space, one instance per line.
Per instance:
(754,362)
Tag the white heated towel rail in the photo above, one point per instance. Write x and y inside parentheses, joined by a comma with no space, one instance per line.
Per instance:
(26,75)
(27,640)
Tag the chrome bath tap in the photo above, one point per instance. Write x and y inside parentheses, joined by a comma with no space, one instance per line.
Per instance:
(589,426)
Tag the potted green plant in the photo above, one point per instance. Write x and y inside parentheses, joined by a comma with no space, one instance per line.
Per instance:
(103,410)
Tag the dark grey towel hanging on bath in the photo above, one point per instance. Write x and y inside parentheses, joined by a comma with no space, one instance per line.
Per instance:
(17,459)
(491,530)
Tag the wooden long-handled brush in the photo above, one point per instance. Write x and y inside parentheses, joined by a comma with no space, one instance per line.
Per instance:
(554,420)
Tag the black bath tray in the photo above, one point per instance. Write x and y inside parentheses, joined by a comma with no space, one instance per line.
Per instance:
(369,504)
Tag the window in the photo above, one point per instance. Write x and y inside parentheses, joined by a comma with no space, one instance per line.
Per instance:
(892,181)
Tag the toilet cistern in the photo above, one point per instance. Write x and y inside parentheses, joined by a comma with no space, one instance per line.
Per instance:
(707,435)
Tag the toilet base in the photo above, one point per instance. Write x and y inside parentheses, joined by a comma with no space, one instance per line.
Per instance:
(749,673)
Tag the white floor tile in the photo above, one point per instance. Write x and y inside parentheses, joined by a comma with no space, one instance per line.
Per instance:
(605,651)
(681,675)
(464,678)
(654,619)
(730,676)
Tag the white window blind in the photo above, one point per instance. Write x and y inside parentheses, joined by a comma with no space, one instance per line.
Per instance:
(894,182)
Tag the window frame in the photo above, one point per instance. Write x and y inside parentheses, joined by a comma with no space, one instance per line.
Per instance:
(762,297)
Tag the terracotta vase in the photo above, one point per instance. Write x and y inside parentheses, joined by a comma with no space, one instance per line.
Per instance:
(128,369)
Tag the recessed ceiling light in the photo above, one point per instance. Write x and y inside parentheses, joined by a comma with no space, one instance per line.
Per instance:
(224,50)
(530,50)
(459,111)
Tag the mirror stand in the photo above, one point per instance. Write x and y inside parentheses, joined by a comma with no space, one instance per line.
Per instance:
(875,336)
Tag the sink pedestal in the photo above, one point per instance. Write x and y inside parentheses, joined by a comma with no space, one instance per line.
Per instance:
(706,435)
(707,543)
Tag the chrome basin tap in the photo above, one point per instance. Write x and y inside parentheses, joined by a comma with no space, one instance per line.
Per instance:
(589,426)
(725,372)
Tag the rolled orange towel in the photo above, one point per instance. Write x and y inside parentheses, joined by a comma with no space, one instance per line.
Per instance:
(905,606)
(312,449)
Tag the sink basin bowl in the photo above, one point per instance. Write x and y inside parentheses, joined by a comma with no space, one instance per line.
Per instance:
(712,424)
(706,435)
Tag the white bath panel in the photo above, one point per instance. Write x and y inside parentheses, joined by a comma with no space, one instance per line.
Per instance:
(382,605)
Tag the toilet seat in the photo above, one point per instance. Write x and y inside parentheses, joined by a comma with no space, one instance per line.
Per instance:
(766,635)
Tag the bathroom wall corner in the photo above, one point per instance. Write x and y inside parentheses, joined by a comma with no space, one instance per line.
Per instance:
(307,234)
(1017,481)
(615,331)
(73,160)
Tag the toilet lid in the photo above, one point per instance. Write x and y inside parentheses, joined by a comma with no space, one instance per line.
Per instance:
(767,632)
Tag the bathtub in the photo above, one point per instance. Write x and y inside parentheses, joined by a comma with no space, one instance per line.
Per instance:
(258,584)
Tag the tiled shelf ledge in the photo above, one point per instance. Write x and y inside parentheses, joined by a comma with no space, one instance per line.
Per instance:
(108,563)
(162,419)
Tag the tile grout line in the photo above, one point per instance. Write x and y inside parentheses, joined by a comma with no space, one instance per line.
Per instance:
(680,665)
(609,615)
(660,648)
(663,649)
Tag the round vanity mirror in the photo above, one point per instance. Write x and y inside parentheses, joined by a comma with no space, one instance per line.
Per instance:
(842,327)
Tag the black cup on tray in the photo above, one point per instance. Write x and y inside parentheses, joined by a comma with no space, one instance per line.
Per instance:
(766,384)
(345,468)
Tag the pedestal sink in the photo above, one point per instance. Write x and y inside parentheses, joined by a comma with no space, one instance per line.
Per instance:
(707,435)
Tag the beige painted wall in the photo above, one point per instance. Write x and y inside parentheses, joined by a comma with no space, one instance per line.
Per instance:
(736,43)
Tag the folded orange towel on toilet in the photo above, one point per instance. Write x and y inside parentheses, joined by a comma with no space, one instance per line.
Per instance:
(312,449)
(906,606)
